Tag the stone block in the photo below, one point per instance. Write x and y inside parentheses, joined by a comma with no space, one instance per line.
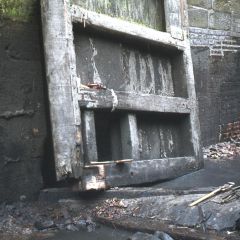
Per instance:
(235,6)
(222,5)
(220,21)
(200,3)
(236,23)
(198,18)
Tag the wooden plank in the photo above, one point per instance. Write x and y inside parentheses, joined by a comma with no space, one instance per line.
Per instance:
(194,120)
(89,137)
(115,139)
(132,30)
(129,137)
(62,81)
(93,164)
(137,172)
(132,101)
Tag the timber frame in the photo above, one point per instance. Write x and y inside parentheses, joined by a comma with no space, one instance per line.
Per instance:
(70,125)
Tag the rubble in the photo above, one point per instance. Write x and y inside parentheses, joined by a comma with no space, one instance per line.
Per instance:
(224,150)
(29,218)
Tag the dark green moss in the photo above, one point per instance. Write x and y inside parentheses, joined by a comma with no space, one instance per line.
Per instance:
(17,10)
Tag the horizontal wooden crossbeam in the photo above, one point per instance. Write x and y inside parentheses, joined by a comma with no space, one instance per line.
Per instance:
(136,172)
(106,99)
(133,30)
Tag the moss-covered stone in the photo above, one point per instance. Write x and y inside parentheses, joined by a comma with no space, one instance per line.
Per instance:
(235,6)
(220,21)
(222,5)
(198,18)
(17,10)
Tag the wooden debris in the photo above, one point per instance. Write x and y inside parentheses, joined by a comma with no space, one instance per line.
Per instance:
(111,162)
(223,188)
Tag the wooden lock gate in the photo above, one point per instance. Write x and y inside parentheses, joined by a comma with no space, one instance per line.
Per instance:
(121,91)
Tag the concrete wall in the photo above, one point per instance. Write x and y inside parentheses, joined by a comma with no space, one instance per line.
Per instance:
(214,33)
(23,112)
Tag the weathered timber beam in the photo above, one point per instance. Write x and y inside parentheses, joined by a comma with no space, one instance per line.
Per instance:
(174,18)
(194,119)
(89,137)
(61,78)
(109,162)
(134,102)
(137,172)
(133,30)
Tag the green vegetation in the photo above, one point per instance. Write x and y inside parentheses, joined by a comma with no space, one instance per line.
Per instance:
(17,10)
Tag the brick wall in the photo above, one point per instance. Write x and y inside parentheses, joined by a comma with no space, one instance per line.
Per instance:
(214,31)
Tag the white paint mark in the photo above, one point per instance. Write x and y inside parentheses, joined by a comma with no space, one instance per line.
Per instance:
(132,72)
(151,69)
(167,83)
(96,76)
(163,151)
(91,105)
(170,141)
(143,75)
(115,100)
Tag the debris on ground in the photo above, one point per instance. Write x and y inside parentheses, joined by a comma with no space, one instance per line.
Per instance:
(28,218)
(174,210)
(224,150)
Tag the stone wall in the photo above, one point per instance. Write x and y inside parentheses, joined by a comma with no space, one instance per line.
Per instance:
(214,33)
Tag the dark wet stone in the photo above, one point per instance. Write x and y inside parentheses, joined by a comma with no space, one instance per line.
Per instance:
(81,224)
(146,236)
(163,235)
(143,236)
(23,198)
(68,221)
(44,225)
(72,228)
(91,226)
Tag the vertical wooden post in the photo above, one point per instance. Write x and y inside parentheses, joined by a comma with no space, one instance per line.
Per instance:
(129,137)
(62,86)
(89,137)
(194,115)
(173,18)
(115,137)
(194,120)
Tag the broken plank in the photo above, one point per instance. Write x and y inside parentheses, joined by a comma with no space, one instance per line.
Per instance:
(132,30)
(136,102)
(137,172)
